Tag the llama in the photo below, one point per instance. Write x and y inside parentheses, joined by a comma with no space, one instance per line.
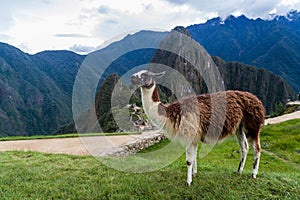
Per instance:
(244,117)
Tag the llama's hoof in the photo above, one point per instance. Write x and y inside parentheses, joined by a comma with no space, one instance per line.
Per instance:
(253,176)
(194,174)
(188,184)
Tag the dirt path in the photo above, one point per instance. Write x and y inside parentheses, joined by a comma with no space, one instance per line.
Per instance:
(98,145)
(294,115)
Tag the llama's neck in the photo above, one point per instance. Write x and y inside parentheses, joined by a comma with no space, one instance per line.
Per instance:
(152,105)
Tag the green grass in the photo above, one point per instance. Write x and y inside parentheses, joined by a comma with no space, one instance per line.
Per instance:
(71,135)
(283,140)
(31,175)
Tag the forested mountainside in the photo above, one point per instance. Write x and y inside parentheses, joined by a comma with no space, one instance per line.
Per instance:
(60,66)
(31,102)
(270,44)
(36,90)
(270,88)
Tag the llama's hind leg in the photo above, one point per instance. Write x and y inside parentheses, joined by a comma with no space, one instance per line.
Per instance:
(256,152)
(244,147)
(191,152)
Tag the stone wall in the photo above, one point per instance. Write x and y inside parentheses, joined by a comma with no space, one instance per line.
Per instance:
(142,142)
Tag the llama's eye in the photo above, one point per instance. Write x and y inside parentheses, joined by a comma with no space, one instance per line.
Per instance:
(143,77)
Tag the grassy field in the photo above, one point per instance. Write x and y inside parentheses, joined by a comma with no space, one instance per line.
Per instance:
(31,175)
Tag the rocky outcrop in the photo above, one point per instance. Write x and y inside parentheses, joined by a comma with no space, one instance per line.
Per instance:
(143,141)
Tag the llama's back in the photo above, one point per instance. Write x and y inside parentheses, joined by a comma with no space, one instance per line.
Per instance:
(240,107)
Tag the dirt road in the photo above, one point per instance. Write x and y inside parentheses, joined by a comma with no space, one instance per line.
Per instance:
(96,145)
(294,115)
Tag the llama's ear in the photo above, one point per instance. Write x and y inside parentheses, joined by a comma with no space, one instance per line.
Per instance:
(159,75)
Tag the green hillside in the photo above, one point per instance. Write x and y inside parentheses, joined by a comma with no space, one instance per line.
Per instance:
(60,66)
(30,175)
(30,101)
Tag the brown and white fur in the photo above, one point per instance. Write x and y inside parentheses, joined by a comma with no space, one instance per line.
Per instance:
(244,117)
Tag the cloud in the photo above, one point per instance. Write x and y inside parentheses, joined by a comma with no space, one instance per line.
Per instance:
(103,9)
(115,18)
(177,1)
(158,14)
(59,24)
(111,21)
(71,35)
(82,49)
(4,36)
(11,10)
(24,47)
(250,8)
(6,17)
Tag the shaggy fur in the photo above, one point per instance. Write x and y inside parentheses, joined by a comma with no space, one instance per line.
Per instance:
(190,119)
(241,107)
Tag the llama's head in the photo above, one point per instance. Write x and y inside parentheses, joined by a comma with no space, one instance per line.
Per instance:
(145,78)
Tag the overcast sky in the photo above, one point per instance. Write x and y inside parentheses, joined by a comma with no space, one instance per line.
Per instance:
(83,25)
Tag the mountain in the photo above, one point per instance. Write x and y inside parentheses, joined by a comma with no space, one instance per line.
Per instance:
(103,104)
(270,88)
(270,44)
(60,66)
(132,51)
(30,101)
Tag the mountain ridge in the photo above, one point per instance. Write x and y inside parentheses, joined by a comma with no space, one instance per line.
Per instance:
(271,44)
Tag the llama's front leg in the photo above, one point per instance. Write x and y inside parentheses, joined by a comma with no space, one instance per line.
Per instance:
(195,163)
(191,152)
